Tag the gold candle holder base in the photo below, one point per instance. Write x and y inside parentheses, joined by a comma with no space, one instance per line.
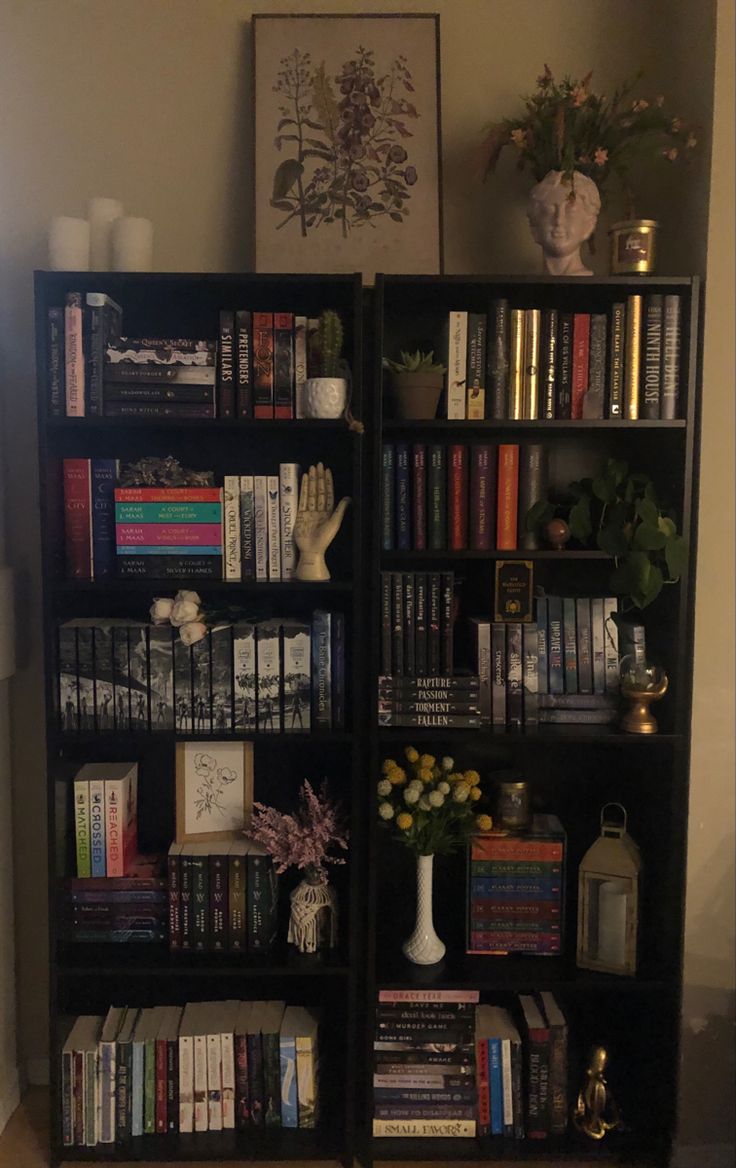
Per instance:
(639,719)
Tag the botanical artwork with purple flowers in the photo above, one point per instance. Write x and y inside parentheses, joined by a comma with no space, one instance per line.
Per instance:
(347,171)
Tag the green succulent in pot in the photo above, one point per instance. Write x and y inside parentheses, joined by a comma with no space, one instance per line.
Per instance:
(416,362)
(417,381)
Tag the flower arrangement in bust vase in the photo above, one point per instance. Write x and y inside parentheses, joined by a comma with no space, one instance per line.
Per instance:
(302,840)
(574,141)
(431,810)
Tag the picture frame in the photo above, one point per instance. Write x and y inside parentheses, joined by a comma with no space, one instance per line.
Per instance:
(214,790)
(347,173)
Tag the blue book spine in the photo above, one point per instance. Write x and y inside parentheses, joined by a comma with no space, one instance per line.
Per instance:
(321,670)
(166,550)
(167,512)
(104,478)
(337,654)
(97,827)
(490,888)
(388,484)
(403,498)
(495,1083)
(136,1123)
(554,645)
(570,644)
(287,1068)
(542,648)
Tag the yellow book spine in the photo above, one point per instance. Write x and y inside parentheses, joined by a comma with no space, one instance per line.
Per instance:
(632,356)
(516,370)
(532,326)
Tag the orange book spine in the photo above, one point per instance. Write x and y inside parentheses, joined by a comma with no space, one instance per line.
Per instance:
(263,365)
(508,497)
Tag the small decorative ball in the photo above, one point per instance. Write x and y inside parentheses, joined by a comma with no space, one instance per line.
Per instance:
(557,533)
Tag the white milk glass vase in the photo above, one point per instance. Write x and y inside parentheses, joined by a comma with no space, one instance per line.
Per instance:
(424,947)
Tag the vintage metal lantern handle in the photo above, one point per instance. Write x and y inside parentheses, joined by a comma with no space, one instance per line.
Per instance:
(614,829)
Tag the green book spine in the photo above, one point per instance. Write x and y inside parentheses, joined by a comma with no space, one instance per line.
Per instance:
(271,1080)
(149,1086)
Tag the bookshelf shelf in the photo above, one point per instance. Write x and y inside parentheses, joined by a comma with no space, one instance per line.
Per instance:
(155,961)
(496,1149)
(291,426)
(150,587)
(544,737)
(546,426)
(428,556)
(216,1146)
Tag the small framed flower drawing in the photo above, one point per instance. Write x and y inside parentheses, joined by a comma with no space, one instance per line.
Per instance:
(214,790)
(347,171)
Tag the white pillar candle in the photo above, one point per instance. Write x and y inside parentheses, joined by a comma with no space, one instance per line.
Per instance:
(612,905)
(68,244)
(132,245)
(101,214)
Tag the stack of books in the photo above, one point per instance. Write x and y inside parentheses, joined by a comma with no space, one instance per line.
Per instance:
(516,889)
(120,908)
(222,897)
(211,1066)
(77,336)
(424,1063)
(452,701)
(417,622)
(163,532)
(153,377)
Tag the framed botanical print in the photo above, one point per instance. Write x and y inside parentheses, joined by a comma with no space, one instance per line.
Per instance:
(214,790)
(347,167)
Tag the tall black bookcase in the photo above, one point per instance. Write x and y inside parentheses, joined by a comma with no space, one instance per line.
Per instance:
(87,978)
(572,770)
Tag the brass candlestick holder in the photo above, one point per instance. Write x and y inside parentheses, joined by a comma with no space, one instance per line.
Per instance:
(641,687)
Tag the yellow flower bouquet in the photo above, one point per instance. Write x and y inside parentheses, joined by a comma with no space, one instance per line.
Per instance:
(429,805)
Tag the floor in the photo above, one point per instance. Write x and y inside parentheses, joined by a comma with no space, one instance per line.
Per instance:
(24,1144)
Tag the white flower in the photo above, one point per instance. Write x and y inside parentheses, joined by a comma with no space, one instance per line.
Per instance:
(461,792)
(447,763)
(411,795)
(160,610)
(183,594)
(424,803)
(183,611)
(384,787)
(192,631)
(385,810)
(416,785)
(444,787)
(436,798)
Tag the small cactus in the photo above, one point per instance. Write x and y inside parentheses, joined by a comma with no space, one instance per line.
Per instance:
(329,343)
(416,362)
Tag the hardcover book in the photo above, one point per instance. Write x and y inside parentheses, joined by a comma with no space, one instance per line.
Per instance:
(263,365)
(283,365)
(457,346)
(297,675)
(243,363)
(498,357)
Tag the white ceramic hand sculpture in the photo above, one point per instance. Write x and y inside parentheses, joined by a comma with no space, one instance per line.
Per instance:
(317,522)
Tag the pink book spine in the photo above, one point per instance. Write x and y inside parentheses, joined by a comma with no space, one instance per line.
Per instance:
(74,356)
(173,534)
(120,833)
(78,518)
(470,996)
(168,494)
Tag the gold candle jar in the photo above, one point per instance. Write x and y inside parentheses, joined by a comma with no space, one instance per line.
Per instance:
(513,805)
(633,246)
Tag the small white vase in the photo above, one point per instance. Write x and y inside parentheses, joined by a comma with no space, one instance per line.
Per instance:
(325,397)
(424,947)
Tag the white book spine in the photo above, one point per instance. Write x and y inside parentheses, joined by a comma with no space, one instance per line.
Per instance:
(214,1082)
(300,363)
(306,1082)
(297,663)
(74,368)
(274,528)
(483,665)
(228,1082)
(598,638)
(610,607)
(247,529)
(508,1101)
(200,1082)
(268,678)
(289,500)
(186,1083)
(261,530)
(107,1101)
(457,360)
(231,523)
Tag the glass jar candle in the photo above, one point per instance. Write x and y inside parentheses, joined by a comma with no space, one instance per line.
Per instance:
(513,808)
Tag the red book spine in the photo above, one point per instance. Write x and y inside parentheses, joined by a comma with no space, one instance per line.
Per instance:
(168,534)
(504,941)
(481,498)
(484,1094)
(78,517)
(419,498)
(262,365)
(508,497)
(580,360)
(510,848)
(283,365)
(458,491)
(242,1097)
(161,1076)
(168,494)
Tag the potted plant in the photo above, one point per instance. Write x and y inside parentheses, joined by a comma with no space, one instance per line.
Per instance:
(326,396)
(574,141)
(417,381)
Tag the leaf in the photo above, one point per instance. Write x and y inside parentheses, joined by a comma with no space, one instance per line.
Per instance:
(397,218)
(650,590)
(648,538)
(285,122)
(604,488)
(538,514)
(667,525)
(283,204)
(647,511)
(579,520)
(287,172)
(675,554)
(616,470)
(612,541)
(326,155)
(325,104)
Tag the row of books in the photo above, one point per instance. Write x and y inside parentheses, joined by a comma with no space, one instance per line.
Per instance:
(209,1066)
(222,897)
(417,623)
(105,818)
(119,909)
(562,668)
(457,497)
(268,676)
(516,889)
(449,701)
(529,363)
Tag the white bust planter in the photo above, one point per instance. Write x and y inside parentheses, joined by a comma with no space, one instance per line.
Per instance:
(562,214)
(325,397)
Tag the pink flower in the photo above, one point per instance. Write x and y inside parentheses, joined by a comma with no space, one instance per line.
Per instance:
(579,95)
(675,125)
(670,154)
(640,105)
(600,158)
(691,141)
(301,839)
(518,137)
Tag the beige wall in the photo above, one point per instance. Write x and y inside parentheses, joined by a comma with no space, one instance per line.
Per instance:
(147,101)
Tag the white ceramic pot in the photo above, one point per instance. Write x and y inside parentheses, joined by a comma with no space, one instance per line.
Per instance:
(325,397)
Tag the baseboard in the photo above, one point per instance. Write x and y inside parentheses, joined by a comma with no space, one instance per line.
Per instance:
(37,1071)
(704,1156)
(9,1097)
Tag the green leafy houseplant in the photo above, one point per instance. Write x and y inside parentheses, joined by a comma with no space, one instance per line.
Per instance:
(416,362)
(619,512)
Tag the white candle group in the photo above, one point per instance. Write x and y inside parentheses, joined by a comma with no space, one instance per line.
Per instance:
(105,241)
(68,244)
(101,215)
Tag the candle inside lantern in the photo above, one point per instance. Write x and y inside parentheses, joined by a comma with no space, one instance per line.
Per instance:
(612,907)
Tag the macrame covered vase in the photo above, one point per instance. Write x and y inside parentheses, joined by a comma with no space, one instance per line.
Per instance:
(313,919)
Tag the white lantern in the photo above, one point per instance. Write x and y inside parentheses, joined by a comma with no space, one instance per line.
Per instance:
(608,884)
